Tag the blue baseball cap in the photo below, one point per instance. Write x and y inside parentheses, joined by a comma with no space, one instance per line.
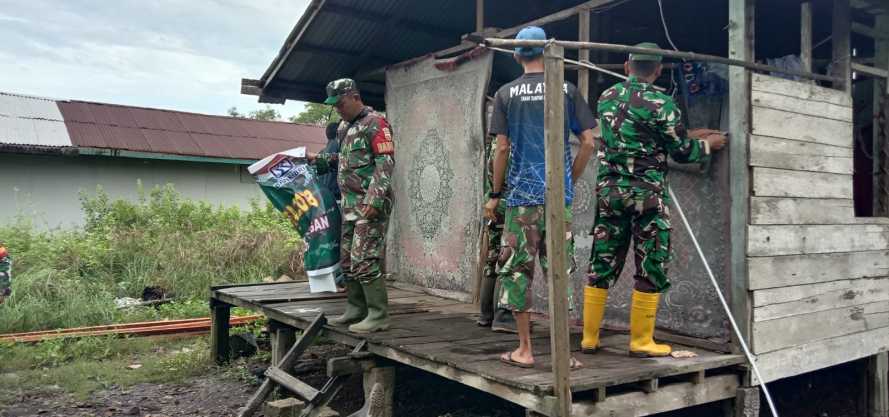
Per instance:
(530,33)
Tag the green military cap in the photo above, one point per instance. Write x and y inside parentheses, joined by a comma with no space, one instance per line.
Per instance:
(337,88)
(646,57)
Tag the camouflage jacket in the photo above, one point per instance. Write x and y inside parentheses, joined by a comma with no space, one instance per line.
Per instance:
(5,275)
(490,151)
(640,126)
(365,161)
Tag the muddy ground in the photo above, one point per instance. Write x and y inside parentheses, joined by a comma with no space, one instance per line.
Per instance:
(833,392)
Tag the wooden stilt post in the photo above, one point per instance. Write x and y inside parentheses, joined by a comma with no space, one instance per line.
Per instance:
(806,35)
(219,324)
(479,15)
(554,139)
(842,46)
(583,74)
(878,386)
(740,47)
(283,337)
(881,90)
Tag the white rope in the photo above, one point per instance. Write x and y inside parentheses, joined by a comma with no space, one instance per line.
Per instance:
(725,306)
(664,23)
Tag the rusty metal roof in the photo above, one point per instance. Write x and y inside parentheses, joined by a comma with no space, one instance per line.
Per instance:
(111,126)
(43,125)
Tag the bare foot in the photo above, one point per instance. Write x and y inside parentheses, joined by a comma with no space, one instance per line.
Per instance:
(515,358)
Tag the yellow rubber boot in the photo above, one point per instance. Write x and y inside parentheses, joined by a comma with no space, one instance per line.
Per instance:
(642,317)
(593,311)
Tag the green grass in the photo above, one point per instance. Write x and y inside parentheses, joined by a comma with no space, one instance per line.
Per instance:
(82,366)
(70,278)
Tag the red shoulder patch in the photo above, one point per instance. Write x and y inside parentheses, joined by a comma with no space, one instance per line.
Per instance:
(382,140)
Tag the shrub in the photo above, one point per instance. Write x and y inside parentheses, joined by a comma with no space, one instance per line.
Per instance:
(67,278)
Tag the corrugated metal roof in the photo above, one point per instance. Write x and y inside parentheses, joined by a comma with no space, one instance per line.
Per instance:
(110,126)
(44,124)
(31,121)
(350,38)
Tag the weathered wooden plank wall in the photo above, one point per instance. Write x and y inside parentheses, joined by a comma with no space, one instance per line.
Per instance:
(818,276)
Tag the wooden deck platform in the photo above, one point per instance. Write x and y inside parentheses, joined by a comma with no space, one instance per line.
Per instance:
(439,335)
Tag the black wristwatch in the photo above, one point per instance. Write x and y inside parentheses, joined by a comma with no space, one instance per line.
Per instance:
(493,194)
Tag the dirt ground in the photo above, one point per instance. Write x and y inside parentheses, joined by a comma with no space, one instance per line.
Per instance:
(833,392)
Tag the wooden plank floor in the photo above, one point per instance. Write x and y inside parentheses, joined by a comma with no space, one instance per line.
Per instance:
(443,332)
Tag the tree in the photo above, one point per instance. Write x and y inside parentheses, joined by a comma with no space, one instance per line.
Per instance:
(316,114)
(268,114)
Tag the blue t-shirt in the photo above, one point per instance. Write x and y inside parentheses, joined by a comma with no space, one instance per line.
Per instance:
(518,114)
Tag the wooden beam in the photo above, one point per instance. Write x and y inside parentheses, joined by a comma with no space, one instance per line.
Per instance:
(479,15)
(305,391)
(842,48)
(554,138)
(741,15)
(878,385)
(869,70)
(509,32)
(806,35)
(295,35)
(870,32)
(583,74)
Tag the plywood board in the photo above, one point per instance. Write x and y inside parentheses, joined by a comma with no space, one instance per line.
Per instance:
(787,125)
(795,240)
(796,330)
(780,271)
(803,90)
(821,354)
(437,186)
(778,210)
(775,303)
(770,182)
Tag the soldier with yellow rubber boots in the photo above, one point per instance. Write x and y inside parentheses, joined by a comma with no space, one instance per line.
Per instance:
(640,127)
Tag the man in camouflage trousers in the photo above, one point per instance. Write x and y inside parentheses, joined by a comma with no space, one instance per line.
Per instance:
(5,274)
(640,127)
(365,161)
(499,318)
(518,123)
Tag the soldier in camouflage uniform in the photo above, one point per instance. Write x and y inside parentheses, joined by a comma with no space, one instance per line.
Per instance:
(518,123)
(640,127)
(499,319)
(365,161)
(5,274)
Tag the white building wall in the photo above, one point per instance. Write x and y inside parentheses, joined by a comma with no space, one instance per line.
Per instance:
(47,188)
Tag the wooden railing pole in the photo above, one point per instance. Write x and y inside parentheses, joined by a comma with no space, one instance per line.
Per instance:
(557,273)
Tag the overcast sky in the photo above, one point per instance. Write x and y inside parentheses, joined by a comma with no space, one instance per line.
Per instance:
(177,54)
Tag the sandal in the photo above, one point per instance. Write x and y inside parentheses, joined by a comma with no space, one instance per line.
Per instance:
(509,361)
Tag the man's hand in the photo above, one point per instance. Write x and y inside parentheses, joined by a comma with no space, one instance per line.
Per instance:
(368,211)
(311,156)
(715,139)
(491,208)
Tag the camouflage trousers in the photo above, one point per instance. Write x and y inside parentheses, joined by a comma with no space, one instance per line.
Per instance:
(495,235)
(622,213)
(362,246)
(524,240)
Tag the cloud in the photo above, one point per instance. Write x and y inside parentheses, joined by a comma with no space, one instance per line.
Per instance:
(184,55)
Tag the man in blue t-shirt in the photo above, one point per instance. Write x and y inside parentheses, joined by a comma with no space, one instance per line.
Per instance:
(518,123)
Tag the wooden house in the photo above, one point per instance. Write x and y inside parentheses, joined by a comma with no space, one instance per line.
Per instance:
(792,217)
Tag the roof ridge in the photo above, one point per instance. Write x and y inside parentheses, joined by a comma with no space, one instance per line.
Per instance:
(19,95)
(193,113)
